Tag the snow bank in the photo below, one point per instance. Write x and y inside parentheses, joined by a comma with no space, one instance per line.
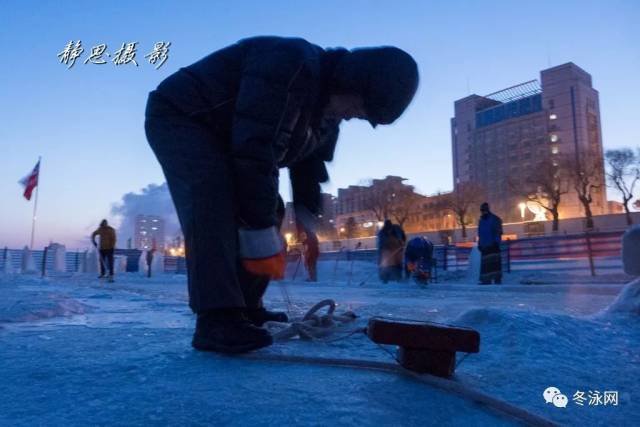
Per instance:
(143,267)
(628,301)
(518,326)
(473,270)
(59,306)
(29,306)
(7,264)
(58,253)
(120,264)
(523,352)
(28,266)
(157,263)
(92,262)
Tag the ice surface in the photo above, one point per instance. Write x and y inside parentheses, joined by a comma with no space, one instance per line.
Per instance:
(78,351)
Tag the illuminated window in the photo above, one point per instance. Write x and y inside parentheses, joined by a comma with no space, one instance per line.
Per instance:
(554,138)
(553,116)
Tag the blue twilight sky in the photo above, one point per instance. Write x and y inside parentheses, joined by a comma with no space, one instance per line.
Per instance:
(87,122)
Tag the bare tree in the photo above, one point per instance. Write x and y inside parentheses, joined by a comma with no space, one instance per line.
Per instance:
(545,184)
(586,178)
(391,202)
(351,228)
(402,204)
(379,202)
(465,198)
(623,173)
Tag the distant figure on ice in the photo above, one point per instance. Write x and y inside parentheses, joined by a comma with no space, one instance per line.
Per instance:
(418,260)
(391,240)
(107,245)
(489,238)
(222,128)
(149,259)
(311,251)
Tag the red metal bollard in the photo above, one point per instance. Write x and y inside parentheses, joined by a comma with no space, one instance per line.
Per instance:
(425,347)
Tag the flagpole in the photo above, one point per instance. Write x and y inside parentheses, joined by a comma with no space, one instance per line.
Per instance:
(35,205)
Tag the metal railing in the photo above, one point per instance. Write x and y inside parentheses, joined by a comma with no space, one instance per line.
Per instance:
(44,263)
(590,253)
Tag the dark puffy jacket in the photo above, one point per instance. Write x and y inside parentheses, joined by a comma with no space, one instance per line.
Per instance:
(418,249)
(489,230)
(390,242)
(263,98)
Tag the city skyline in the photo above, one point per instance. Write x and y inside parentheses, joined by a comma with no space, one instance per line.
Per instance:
(87,122)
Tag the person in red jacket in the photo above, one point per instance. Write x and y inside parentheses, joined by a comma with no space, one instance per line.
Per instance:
(311,253)
(222,128)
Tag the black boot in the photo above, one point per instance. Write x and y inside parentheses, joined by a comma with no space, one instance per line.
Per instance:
(228,331)
(258,316)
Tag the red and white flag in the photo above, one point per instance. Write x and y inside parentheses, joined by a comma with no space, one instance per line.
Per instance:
(30,181)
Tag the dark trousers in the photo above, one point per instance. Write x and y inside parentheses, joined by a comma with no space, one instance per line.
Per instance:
(200,179)
(106,258)
(311,264)
(390,273)
(490,264)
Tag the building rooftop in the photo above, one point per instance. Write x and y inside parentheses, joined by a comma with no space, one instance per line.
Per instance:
(519,91)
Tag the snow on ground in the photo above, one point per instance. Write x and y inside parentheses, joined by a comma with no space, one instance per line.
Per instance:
(78,351)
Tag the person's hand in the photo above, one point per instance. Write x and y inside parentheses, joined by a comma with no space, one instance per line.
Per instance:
(411,266)
(274,266)
(262,252)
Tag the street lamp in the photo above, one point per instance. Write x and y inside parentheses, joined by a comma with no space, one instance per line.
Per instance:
(522,206)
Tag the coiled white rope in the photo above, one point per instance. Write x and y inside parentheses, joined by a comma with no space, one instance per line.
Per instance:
(313,326)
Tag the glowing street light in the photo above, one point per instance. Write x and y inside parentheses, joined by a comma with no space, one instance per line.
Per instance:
(522,206)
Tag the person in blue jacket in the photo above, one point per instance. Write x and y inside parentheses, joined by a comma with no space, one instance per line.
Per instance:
(222,128)
(489,238)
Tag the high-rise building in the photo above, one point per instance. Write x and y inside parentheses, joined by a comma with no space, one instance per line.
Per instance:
(149,232)
(498,138)
(325,223)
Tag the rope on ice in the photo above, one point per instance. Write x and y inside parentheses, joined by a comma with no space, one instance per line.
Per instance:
(313,326)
